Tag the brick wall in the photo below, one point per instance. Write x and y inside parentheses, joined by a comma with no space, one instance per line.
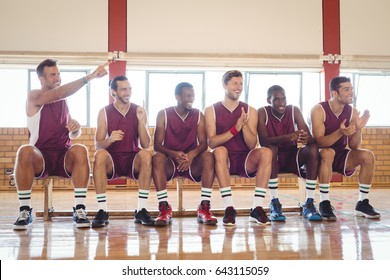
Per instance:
(375,139)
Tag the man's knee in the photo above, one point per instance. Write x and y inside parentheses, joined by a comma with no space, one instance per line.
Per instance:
(158,159)
(327,155)
(313,151)
(78,152)
(25,152)
(265,154)
(100,157)
(368,157)
(220,154)
(145,157)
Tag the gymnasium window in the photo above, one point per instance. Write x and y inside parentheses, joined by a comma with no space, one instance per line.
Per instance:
(155,91)
(372,92)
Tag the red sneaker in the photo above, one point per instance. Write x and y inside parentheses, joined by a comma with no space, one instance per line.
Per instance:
(204,214)
(165,216)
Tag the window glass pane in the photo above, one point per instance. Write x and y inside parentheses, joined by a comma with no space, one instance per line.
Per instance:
(77,102)
(99,97)
(260,83)
(13,92)
(311,92)
(162,91)
(373,93)
(137,82)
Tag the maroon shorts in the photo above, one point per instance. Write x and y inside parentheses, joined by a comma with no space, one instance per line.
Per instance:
(340,162)
(123,165)
(237,164)
(185,174)
(288,163)
(54,164)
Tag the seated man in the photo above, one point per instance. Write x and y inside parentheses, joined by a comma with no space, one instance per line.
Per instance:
(121,127)
(277,131)
(231,131)
(180,144)
(50,152)
(337,129)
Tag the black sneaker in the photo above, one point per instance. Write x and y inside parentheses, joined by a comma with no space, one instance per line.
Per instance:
(101,219)
(364,209)
(24,219)
(229,219)
(309,211)
(259,216)
(326,210)
(80,216)
(143,217)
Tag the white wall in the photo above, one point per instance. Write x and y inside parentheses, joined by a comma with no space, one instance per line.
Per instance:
(365,27)
(54,25)
(225,26)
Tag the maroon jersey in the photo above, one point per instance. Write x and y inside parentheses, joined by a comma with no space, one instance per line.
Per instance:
(47,128)
(281,126)
(226,119)
(181,134)
(332,123)
(128,123)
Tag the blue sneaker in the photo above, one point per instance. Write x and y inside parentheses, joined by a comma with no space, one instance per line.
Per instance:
(310,212)
(276,211)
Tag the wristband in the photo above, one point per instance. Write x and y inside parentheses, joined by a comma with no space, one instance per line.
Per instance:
(85,81)
(233,131)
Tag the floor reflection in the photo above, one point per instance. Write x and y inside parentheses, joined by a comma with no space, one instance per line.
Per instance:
(348,238)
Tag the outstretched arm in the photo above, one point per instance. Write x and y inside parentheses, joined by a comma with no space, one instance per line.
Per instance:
(39,97)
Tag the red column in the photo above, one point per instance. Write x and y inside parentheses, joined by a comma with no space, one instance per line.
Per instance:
(117,41)
(331,39)
(117,34)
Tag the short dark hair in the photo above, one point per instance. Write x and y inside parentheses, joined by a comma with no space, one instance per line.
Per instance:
(180,86)
(46,63)
(273,89)
(113,83)
(335,82)
(229,75)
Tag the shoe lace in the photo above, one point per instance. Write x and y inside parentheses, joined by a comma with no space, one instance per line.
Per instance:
(328,207)
(259,212)
(81,214)
(24,215)
(163,209)
(229,212)
(310,208)
(277,207)
(145,213)
(205,207)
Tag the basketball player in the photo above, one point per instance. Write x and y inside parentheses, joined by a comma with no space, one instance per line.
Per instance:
(281,128)
(181,145)
(121,130)
(50,151)
(231,130)
(337,129)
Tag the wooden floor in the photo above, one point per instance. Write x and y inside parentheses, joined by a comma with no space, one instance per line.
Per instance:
(348,238)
